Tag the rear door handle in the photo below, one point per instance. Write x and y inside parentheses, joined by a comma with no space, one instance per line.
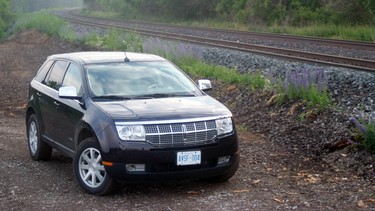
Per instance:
(56,103)
(39,94)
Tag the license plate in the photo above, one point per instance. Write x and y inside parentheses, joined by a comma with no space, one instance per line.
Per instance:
(188,158)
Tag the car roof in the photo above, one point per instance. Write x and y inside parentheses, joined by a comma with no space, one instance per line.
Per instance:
(92,57)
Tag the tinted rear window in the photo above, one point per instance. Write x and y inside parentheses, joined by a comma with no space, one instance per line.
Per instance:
(56,74)
(41,75)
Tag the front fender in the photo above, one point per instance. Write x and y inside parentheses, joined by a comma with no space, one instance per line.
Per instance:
(100,124)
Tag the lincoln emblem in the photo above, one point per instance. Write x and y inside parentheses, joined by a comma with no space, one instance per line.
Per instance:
(184,132)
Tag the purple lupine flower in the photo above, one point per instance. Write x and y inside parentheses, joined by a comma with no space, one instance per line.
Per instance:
(306,78)
(360,126)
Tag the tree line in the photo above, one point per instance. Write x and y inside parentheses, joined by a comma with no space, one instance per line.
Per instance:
(262,12)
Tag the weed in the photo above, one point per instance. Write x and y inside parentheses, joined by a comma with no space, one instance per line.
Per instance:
(92,39)
(307,84)
(302,117)
(43,21)
(365,125)
(362,33)
(242,127)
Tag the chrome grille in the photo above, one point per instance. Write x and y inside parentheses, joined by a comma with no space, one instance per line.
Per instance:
(181,134)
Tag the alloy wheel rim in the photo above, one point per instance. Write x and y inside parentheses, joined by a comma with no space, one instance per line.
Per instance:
(33,137)
(90,168)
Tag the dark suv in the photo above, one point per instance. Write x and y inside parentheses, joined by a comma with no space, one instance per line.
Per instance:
(128,117)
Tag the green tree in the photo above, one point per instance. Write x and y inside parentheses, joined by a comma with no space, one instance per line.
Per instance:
(358,12)
(259,12)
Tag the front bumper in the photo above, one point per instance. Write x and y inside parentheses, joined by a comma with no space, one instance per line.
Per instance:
(161,164)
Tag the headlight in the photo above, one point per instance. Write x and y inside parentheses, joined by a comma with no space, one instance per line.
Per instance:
(224,126)
(131,132)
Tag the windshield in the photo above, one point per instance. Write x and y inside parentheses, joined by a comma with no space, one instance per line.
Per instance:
(130,80)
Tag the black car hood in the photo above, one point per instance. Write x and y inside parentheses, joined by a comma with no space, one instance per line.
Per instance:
(164,108)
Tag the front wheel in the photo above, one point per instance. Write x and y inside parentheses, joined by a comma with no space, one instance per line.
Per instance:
(39,150)
(89,170)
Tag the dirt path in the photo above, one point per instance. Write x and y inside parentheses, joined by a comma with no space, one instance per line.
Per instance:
(269,177)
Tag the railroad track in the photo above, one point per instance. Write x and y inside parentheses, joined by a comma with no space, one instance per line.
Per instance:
(322,41)
(298,55)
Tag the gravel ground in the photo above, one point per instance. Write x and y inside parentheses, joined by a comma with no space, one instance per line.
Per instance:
(286,163)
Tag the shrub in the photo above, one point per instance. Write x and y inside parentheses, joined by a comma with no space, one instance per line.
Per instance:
(365,125)
(118,40)
(42,21)
(308,84)
(115,40)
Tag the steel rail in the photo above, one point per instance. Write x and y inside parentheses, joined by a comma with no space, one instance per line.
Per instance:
(359,45)
(356,45)
(360,64)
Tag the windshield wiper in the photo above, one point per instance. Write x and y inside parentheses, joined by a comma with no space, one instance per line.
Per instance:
(119,97)
(112,97)
(162,95)
(146,96)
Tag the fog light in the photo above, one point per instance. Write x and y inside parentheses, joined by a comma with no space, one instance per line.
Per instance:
(222,160)
(135,167)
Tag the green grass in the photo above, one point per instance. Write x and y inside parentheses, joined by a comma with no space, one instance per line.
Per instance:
(369,138)
(311,95)
(45,22)
(115,40)
(308,84)
(364,131)
(230,76)
(360,33)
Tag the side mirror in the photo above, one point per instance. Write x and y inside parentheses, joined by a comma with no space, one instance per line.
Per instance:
(204,85)
(69,92)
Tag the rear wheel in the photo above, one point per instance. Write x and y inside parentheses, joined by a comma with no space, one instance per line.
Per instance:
(89,170)
(39,150)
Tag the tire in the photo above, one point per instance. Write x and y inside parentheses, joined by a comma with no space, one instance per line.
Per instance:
(38,149)
(89,171)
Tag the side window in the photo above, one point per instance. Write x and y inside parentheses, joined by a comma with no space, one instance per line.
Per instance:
(73,77)
(56,75)
(41,75)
